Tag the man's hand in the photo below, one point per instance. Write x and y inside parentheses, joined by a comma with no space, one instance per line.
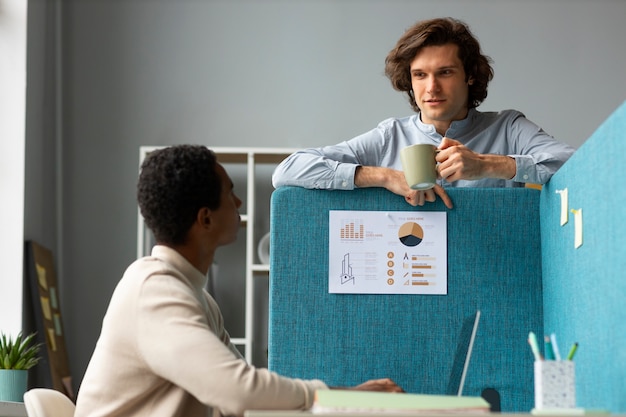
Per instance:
(394,181)
(418,198)
(385,384)
(457,162)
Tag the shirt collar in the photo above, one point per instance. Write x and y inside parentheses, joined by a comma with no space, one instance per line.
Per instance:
(178,262)
(456,127)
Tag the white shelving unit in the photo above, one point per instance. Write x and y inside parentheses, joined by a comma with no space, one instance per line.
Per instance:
(226,155)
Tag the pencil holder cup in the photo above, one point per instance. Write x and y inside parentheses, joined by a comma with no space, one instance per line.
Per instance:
(555,384)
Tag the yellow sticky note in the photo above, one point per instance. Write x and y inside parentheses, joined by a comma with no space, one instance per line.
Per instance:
(45,307)
(564,204)
(578,227)
(41,276)
(52,340)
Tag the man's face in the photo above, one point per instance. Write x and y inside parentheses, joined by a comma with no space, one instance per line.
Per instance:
(439,85)
(226,216)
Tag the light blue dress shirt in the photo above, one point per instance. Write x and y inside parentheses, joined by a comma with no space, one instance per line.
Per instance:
(537,155)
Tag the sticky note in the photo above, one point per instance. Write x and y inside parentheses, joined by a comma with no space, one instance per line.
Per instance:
(564,204)
(41,276)
(45,307)
(58,328)
(52,342)
(578,227)
(53,298)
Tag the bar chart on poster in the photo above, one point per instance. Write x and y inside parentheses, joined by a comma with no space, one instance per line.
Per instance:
(378,252)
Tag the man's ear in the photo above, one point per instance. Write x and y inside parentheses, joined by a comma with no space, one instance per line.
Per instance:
(204,216)
(470,81)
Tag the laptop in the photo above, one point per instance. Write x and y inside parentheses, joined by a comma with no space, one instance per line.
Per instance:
(463,355)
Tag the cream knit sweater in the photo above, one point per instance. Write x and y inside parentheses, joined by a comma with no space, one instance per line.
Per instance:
(163,351)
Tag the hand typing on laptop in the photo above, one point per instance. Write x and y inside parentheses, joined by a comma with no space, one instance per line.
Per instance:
(384,384)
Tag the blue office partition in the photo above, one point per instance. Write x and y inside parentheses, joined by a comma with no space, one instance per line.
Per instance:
(494,265)
(585,286)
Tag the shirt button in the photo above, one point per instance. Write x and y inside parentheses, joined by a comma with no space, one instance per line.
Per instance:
(344,184)
(525,176)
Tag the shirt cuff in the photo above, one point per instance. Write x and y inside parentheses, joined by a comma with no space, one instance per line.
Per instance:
(310,387)
(344,177)
(524,168)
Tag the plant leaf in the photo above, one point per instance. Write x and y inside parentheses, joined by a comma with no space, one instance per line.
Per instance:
(21,353)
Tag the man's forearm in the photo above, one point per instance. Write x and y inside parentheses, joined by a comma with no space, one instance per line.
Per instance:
(499,166)
(370,176)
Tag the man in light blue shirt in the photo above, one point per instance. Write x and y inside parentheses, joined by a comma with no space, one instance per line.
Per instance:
(439,65)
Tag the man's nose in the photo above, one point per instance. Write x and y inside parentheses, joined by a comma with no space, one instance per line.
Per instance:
(432,84)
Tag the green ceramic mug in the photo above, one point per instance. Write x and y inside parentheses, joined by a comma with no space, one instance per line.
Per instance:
(419,166)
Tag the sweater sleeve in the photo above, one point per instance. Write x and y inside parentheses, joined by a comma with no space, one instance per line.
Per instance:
(177,342)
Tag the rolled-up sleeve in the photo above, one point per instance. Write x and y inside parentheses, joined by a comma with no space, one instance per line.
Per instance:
(320,168)
(333,167)
(537,154)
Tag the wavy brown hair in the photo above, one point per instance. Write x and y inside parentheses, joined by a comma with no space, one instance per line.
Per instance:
(436,32)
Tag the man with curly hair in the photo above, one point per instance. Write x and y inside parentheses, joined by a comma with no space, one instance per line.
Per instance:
(163,349)
(439,65)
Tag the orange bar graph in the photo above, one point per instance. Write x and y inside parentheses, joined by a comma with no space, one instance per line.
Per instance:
(352,231)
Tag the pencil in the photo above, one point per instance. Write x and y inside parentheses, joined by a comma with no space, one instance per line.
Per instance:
(534,346)
(572,352)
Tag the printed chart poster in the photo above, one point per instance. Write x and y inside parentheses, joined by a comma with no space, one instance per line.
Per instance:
(388,252)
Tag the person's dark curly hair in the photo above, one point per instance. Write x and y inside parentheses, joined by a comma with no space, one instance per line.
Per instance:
(174,184)
(437,32)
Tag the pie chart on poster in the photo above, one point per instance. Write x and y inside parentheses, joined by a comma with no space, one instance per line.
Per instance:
(411,234)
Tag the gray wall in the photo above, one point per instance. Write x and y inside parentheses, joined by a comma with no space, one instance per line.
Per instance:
(263,73)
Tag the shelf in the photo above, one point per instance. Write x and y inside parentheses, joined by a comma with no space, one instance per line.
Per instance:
(238,341)
(261,155)
(260,268)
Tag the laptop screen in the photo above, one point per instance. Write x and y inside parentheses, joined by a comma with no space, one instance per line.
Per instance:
(463,354)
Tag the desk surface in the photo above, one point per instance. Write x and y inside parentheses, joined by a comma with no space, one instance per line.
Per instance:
(12,409)
(292,413)
(295,413)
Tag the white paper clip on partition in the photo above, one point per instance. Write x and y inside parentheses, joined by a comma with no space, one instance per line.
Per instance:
(563,194)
